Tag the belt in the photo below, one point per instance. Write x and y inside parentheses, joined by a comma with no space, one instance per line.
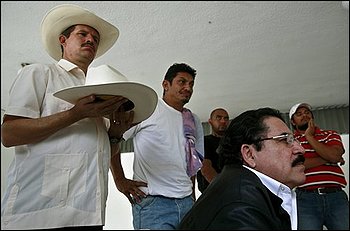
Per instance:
(322,191)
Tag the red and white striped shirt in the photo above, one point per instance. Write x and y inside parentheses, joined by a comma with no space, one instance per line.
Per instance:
(326,175)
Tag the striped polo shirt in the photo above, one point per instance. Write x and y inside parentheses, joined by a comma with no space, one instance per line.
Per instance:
(326,175)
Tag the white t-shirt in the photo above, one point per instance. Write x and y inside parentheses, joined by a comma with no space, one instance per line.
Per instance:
(62,180)
(160,157)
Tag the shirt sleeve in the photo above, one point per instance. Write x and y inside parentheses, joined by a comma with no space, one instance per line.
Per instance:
(27,92)
(199,135)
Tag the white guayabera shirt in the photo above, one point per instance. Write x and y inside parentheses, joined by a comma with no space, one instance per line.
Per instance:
(62,180)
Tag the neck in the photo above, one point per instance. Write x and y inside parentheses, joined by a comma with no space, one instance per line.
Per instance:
(217,134)
(176,105)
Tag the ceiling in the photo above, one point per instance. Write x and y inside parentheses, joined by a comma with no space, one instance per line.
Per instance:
(247,54)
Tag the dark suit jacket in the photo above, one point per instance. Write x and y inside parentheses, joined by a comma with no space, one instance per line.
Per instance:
(237,199)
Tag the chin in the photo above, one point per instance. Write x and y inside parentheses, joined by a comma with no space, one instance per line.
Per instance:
(302,180)
(184,101)
(303,127)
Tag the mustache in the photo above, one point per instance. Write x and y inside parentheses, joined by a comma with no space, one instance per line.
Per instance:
(300,158)
(90,44)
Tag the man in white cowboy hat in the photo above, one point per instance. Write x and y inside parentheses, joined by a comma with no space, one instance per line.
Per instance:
(62,151)
(168,148)
(321,199)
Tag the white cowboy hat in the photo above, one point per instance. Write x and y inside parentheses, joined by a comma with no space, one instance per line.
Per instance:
(63,16)
(296,107)
(104,81)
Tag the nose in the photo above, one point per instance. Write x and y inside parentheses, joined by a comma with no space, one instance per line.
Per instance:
(298,146)
(90,39)
(305,115)
(188,87)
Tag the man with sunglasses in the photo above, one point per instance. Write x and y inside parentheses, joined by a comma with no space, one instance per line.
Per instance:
(321,200)
(262,163)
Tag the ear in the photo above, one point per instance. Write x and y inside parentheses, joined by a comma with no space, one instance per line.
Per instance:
(248,155)
(292,121)
(165,85)
(62,39)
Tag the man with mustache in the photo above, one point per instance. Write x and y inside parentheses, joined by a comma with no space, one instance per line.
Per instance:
(262,164)
(59,176)
(321,200)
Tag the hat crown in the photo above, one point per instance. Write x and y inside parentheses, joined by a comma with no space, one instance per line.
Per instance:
(104,74)
(296,107)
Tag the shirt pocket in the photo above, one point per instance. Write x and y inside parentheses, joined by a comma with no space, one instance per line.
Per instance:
(65,176)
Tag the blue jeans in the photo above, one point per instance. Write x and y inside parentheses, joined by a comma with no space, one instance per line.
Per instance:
(158,212)
(330,210)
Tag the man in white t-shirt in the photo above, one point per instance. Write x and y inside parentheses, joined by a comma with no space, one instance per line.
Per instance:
(162,189)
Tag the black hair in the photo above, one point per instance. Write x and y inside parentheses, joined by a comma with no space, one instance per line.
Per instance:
(179,67)
(67,33)
(247,128)
(176,68)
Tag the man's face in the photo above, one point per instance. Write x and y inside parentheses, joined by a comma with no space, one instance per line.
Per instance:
(278,159)
(181,88)
(301,118)
(81,45)
(219,121)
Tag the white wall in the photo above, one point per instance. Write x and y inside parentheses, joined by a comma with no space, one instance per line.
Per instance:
(118,214)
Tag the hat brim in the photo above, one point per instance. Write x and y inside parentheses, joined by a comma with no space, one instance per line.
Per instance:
(144,98)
